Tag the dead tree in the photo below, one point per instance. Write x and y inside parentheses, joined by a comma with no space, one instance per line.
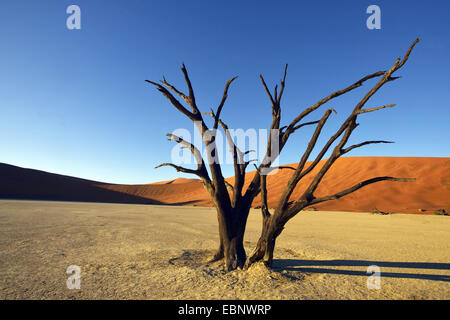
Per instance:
(233,207)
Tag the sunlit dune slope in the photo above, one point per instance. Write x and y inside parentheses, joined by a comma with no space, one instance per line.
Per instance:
(430,192)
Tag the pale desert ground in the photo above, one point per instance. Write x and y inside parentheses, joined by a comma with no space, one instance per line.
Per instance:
(128,251)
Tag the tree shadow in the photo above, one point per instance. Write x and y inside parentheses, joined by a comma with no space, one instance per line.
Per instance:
(315,266)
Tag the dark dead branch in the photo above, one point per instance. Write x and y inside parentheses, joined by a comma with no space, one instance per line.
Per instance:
(222,102)
(348,149)
(375,109)
(173,100)
(191,102)
(179,168)
(357,187)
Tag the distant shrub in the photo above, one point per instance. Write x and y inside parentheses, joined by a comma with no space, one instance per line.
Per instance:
(440,212)
(376,211)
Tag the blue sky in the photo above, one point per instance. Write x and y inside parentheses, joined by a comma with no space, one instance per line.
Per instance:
(75,102)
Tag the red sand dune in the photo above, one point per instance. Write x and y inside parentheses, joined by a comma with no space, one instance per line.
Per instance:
(430,192)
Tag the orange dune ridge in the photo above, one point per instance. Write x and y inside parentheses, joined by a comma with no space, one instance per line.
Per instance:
(431,191)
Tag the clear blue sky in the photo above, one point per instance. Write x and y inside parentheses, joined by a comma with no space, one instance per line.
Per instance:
(75,102)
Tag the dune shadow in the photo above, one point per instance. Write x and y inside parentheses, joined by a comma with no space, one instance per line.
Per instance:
(29,184)
(317,266)
(182,203)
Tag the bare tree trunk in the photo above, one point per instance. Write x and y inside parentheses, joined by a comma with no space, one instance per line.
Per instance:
(265,246)
(231,233)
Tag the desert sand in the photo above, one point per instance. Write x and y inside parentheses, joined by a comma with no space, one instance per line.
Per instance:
(431,191)
(129,251)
